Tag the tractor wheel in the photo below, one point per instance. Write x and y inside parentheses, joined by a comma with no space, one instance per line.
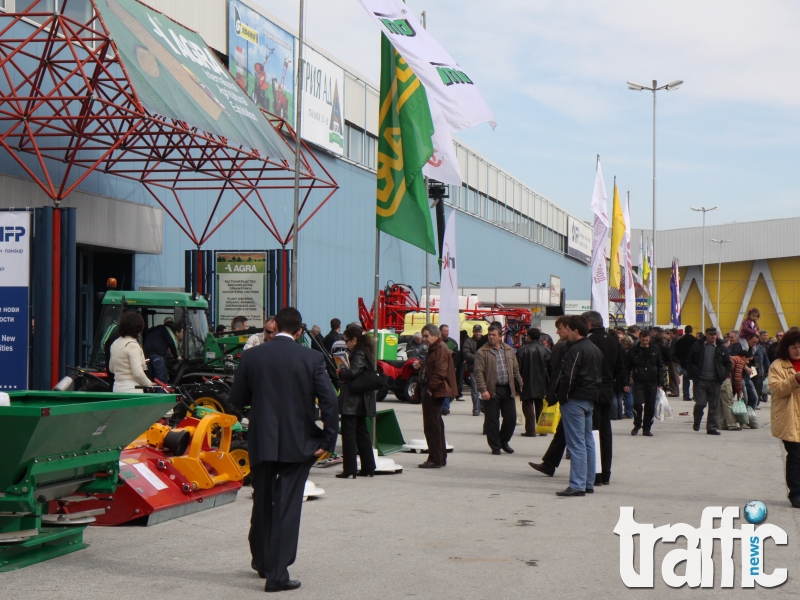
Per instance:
(240,454)
(381,396)
(409,388)
(214,400)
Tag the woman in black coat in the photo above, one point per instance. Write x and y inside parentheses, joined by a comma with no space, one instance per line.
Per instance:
(355,407)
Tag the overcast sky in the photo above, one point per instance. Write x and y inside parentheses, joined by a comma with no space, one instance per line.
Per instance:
(554,74)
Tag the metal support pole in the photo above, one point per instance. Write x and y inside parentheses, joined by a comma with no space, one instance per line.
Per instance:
(655,270)
(703,289)
(299,84)
(719,287)
(377,290)
(427,289)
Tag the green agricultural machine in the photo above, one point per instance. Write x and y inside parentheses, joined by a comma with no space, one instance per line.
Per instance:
(54,445)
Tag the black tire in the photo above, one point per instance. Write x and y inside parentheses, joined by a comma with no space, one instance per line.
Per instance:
(239,452)
(408,390)
(381,395)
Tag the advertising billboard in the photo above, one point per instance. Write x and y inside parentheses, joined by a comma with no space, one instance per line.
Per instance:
(15,259)
(178,76)
(323,102)
(579,240)
(262,60)
(241,279)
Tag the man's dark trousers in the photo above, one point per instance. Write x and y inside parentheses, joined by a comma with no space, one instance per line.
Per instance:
(555,451)
(644,404)
(686,386)
(601,421)
(706,391)
(433,425)
(275,521)
(531,409)
(502,404)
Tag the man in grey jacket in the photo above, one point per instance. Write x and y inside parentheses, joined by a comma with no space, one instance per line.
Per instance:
(534,366)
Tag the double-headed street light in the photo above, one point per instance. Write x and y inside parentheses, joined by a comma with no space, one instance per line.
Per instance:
(719,278)
(704,210)
(638,87)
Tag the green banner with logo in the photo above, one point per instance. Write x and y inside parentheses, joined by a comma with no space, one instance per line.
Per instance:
(176,75)
(405,128)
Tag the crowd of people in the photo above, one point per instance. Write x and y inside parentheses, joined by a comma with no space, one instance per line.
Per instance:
(594,375)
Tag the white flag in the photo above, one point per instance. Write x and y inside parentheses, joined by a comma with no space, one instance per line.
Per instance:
(448,300)
(630,288)
(445,81)
(600,238)
(443,165)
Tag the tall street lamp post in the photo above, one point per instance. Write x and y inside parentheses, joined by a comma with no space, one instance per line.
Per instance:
(704,210)
(719,278)
(638,87)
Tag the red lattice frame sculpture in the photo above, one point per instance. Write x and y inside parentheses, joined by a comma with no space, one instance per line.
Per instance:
(68,108)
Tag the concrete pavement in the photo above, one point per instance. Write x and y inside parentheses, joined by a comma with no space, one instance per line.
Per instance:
(484,527)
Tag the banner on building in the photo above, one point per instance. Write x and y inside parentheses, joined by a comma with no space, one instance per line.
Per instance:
(15,258)
(555,290)
(579,241)
(323,101)
(241,279)
(177,75)
(262,60)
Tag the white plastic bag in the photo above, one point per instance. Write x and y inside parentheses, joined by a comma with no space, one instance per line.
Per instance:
(752,418)
(663,409)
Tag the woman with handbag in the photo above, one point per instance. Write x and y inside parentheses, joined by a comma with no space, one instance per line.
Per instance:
(784,382)
(356,403)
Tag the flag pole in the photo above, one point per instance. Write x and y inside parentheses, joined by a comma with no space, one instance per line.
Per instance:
(298,89)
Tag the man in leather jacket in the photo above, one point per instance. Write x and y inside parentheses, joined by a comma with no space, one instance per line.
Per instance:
(709,365)
(578,389)
(649,373)
(534,366)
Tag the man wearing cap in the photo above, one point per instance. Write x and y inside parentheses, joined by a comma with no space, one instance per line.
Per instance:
(709,364)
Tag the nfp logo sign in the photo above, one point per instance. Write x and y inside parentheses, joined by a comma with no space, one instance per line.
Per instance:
(697,555)
(11,234)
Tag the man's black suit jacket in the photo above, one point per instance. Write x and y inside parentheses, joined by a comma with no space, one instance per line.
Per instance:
(280,380)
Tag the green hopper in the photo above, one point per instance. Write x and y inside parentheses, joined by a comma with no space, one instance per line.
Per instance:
(53,445)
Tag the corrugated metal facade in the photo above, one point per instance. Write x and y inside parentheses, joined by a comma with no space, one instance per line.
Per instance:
(753,240)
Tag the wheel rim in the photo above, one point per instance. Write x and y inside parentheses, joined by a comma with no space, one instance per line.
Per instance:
(210,402)
(242,458)
(412,387)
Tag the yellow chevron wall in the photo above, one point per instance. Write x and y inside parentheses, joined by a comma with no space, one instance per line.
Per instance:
(735,277)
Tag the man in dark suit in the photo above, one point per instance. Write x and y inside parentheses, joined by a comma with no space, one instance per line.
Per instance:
(334,335)
(279,381)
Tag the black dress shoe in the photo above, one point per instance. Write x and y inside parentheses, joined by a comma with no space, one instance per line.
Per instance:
(795,502)
(696,426)
(496,451)
(507,449)
(527,435)
(713,432)
(598,480)
(570,492)
(363,473)
(590,490)
(543,468)
(446,412)
(635,430)
(292,584)
(647,433)
(345,475)
(429,465)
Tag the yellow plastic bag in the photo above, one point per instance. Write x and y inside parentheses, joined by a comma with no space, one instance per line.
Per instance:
(548,420)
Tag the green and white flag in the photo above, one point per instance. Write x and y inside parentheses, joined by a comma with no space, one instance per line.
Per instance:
(405,128)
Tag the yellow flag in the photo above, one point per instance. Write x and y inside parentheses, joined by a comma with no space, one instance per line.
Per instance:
(617,233)
(646,273)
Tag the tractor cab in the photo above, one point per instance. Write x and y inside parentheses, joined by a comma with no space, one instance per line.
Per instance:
(156,308)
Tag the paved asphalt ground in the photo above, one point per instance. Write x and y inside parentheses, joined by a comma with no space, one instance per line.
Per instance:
(484,527)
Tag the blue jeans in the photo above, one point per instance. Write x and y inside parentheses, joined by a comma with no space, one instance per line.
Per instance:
(158,368)
(627,399)
(686,383)
(476,397)
(576,415)
(752,396)
(446,404)
(617,408)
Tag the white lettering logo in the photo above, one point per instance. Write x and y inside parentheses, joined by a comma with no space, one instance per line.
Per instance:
(698,552)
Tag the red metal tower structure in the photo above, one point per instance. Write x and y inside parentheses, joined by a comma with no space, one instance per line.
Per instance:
(68,108)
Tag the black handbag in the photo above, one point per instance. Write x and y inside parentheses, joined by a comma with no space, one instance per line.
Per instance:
(367,381)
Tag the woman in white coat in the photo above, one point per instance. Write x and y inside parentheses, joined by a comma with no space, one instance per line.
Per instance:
(127,358)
